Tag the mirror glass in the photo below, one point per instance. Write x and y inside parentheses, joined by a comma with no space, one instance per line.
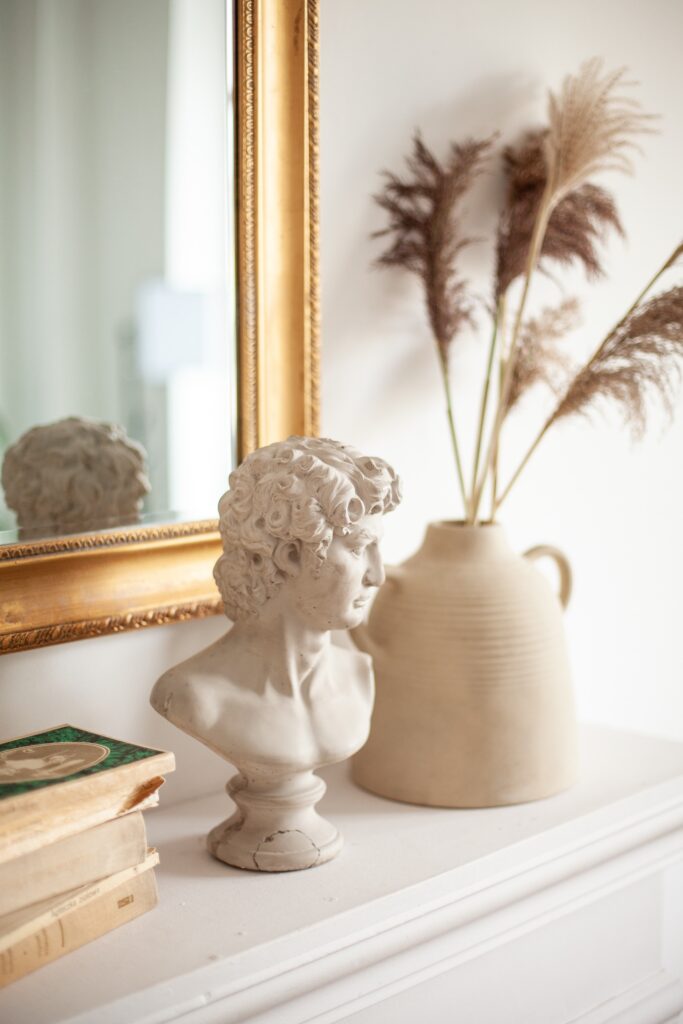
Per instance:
(117,302)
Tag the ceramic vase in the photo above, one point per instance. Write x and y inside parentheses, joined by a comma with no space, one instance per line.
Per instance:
(474,704)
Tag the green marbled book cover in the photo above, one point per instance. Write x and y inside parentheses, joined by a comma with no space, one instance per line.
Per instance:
(61,755)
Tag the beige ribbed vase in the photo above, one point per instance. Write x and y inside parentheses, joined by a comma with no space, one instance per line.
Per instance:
(474,704)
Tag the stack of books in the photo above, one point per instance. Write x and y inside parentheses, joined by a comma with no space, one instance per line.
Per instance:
(74,860)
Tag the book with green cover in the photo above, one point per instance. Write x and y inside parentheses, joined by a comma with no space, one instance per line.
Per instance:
(63,780)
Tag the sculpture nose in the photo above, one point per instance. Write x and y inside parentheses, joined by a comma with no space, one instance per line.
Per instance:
(374,574)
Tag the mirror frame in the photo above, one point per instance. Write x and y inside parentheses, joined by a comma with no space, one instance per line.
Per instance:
(69,588)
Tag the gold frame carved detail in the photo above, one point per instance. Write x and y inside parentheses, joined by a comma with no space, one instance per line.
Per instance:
(70,588)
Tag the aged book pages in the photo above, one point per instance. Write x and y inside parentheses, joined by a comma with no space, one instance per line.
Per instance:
(72,862)
(122,904)
(24,923)
(62,781)
(66,818)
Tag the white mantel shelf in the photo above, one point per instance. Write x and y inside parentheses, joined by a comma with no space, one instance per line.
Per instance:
(569,909)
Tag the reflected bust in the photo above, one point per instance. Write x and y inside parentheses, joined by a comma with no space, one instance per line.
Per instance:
(74,475)
(300,526)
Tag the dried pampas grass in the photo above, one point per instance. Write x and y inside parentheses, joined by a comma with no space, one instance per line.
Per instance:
(425,231)
(638,360)
(552,210)
(553,215)
(592,127)
(539,360)
(577,224)
(426,239)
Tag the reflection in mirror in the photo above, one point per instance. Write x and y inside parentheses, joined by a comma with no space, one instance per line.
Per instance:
(116,265)
(72,476)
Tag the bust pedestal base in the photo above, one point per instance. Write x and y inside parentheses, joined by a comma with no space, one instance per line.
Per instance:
(275,826)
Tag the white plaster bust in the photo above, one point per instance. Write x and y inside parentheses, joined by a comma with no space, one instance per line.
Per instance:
(74,475)
(301,526)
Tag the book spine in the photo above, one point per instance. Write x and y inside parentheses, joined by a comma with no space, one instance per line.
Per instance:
(115,908)
(73,901)
(71,862)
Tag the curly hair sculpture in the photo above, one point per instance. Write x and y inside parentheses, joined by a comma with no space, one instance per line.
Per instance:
(303,490)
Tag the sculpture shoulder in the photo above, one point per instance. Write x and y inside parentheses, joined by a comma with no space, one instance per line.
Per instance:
(191,694)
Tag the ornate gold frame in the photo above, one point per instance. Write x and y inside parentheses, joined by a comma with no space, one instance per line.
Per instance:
(74,587)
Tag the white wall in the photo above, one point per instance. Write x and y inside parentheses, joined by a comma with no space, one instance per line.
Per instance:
(463,68)
(387,67)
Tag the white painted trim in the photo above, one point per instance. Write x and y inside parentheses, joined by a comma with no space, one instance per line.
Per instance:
(427,939)
(656,1000)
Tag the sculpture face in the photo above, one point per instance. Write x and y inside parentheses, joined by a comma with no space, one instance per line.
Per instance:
(302,520)
(337,595)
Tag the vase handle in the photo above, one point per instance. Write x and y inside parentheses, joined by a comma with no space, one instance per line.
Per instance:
(547,551)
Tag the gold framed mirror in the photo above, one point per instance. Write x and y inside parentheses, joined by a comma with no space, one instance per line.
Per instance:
(68,588)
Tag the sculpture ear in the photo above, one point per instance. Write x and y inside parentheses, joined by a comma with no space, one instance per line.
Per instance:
(287,557)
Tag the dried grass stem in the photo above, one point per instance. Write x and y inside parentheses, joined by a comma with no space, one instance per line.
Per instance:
(647,331)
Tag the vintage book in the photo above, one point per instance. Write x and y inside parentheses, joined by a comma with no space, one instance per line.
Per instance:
(101,915)
(69,863)
(64,780)
(25,922)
